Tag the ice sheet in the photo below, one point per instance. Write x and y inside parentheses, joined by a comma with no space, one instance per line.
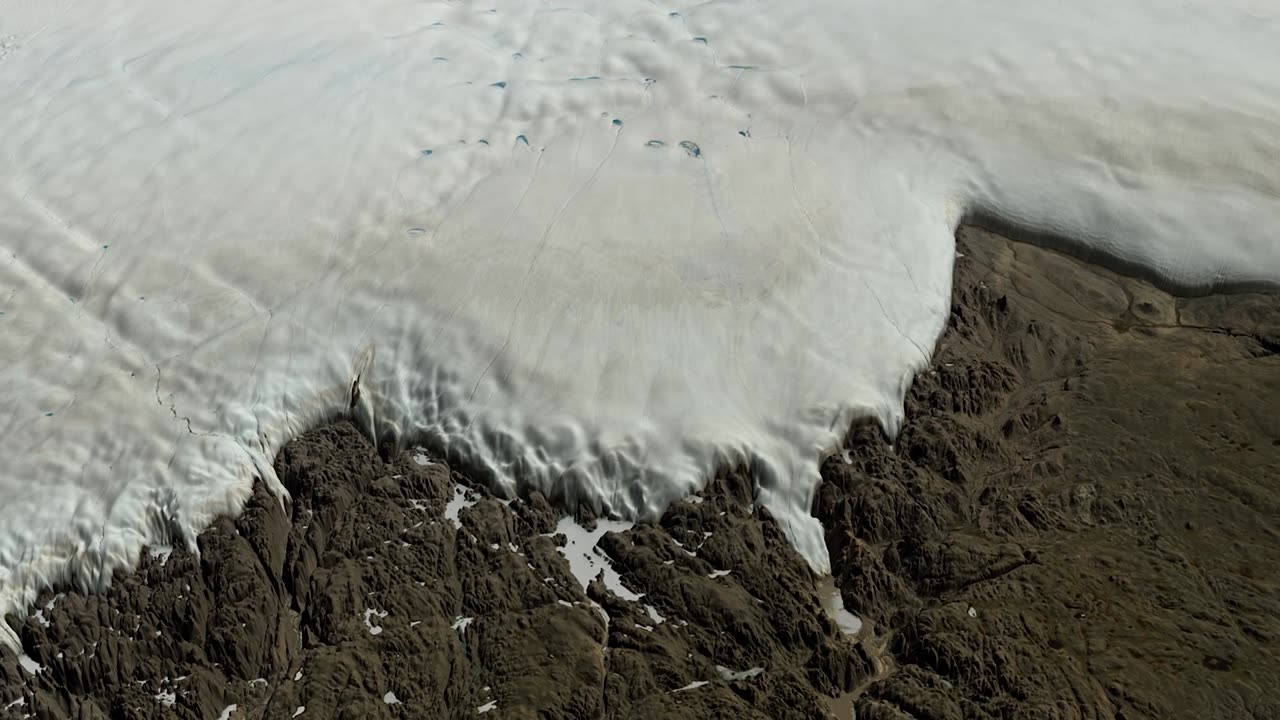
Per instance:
(598,248)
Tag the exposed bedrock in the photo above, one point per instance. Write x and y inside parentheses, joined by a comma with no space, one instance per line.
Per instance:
(1079,519)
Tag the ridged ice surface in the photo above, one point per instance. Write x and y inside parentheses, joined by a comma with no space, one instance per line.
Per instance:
(596,247)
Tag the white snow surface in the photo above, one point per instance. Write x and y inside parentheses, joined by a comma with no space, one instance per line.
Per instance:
(161,552)
(833,604)
(691,686)
(596,247)
(586,561)
(654,615)
(369,625)
(31,666)
(462,499)
(729,675)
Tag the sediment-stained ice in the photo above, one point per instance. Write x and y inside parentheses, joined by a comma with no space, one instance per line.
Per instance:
(597,248)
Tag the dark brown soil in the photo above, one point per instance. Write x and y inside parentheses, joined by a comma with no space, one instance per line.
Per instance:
(1080,519)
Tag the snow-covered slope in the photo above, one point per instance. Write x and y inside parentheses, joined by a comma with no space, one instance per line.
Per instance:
(598,247)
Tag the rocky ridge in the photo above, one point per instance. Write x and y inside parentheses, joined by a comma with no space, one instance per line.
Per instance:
(1079,519)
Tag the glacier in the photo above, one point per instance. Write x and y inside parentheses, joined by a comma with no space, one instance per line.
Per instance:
(598,248)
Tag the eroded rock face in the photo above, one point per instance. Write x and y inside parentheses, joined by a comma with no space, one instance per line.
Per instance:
(1080,519)
(1076,518)
(363,598)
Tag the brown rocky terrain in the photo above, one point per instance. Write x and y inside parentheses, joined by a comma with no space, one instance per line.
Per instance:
(1080,519)
(371,603)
